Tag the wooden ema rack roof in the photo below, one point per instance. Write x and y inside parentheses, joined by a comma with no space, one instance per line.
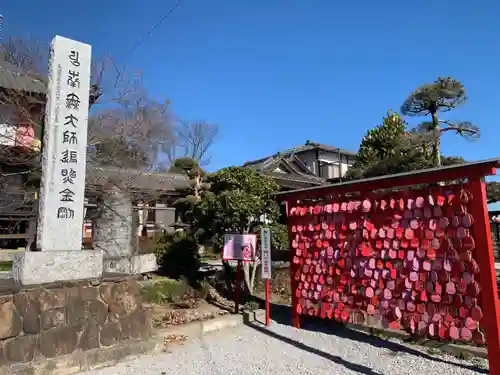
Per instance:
(477,169)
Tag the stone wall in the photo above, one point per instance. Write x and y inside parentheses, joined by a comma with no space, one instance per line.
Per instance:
(58,319)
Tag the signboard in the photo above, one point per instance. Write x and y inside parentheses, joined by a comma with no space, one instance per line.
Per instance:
(60,218)
(239,247)
(265,245)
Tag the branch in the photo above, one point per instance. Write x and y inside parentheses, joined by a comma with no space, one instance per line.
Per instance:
(195,139)
(464,128)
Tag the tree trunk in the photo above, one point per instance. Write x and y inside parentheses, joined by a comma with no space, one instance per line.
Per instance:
(437,140)
(249,272)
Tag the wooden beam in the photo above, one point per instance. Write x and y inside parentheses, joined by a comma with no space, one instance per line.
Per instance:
(14,236)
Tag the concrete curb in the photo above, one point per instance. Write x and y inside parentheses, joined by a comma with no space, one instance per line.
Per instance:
(104,357)
(197,329)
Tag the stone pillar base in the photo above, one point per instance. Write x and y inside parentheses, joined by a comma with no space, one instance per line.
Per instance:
(38,267)
(135,265)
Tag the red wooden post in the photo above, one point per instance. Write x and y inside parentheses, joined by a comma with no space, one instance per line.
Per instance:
(485,258)
(268,302)
(237,287)
(293,269)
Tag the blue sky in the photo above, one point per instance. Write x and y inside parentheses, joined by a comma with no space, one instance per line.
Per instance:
(274,73)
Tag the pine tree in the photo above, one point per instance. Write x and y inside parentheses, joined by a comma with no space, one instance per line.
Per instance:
(196,190)
(442,95)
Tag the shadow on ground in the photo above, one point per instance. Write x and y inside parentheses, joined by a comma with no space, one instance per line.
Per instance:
(282,315)
(334,358)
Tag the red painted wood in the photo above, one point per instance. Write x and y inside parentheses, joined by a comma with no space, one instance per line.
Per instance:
(481,233)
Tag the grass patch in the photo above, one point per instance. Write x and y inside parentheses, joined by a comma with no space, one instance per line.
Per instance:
(466,356)
(433,351)
(480,362)
(164,291)
(206,257)
(6,266)
(252,305)
(176,292)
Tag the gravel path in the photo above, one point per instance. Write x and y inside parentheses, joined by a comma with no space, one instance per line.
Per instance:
(281,349)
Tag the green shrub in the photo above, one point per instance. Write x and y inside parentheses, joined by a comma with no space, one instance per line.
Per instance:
(6,266)
(177,255)
(279,235)
(252,305)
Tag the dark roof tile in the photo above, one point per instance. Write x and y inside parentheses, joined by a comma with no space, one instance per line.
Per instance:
(12,77)
(135,179)
(308,146)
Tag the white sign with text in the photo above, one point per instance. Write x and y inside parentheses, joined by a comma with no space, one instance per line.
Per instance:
(60,219)
(265,245)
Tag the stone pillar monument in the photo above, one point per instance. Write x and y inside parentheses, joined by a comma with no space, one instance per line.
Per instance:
(116,233)
(113,227)
(61,204)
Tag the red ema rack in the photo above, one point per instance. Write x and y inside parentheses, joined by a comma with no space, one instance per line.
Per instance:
(407,259)
(419,260)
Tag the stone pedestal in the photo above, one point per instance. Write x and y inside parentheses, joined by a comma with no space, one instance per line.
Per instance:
(38,267)
(135,265)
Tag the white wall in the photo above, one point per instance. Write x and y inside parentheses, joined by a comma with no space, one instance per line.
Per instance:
(331,159)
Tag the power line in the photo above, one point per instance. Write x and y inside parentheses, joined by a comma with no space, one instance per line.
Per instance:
(152,30)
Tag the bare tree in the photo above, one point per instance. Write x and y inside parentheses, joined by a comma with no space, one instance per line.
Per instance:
(131,135)
(29,55)
(108,82)
(193,140)
(126,127)
(123,117)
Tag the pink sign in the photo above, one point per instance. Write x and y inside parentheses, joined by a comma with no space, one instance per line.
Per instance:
(239,247)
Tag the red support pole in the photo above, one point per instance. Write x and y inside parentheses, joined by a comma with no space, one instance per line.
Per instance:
(293,269)
(488,281)
(237,287)
(268,302)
